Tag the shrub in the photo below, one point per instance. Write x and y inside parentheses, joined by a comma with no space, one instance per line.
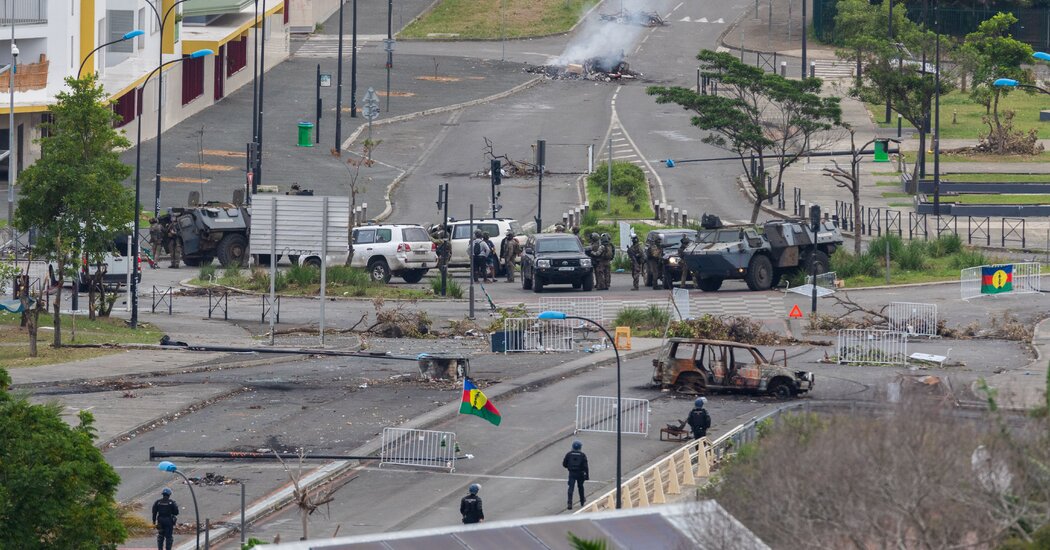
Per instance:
(627,179)
(260,280)
(967,258)
(945,245)
(640,319)
(452,288)
(913,256)
(231,273)
(350,276)
(303,276)
(846,265)
(877,246)
(207,273)
(621,261)
(589,218)
(599,204)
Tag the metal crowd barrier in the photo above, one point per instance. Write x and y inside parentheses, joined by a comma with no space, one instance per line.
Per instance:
(598,414)
(423,448)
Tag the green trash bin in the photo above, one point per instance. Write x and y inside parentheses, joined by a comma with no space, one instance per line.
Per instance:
(881,150)
(305,139)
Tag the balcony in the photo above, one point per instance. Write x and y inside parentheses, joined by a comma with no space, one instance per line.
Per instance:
(25,12)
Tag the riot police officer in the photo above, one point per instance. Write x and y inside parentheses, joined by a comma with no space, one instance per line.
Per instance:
(165,515)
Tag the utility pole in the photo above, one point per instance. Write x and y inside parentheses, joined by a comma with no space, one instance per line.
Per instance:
(262,86)
(814,222)
(389,48)
(937,112)
(254,183)
(12,150)
(541,149)
(608,205)
(890,26)
(353,64)
(339,89)
(496,178)
(804,59)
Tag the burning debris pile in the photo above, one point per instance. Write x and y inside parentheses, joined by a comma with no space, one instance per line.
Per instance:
(601,69)
(628,17)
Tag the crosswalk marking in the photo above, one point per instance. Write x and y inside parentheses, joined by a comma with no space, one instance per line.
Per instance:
(328,45)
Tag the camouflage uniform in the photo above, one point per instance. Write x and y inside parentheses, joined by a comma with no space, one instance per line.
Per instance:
(594,253)
(637,256)
(509,251)
(444,252)
(156,237)
(681,259)
(655,256)
(608,252)
(173,243)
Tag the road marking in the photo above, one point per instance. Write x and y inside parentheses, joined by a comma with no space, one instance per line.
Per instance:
(702,20)
(620,157)
(678,6)
(179,179)
(212,167)
(455,474)
(686,19)
(223,153)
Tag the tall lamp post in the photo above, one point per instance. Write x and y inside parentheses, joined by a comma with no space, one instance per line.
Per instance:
(138,192)
(170,467)
(127,36)
(551,315)
(937,113)
(162,21)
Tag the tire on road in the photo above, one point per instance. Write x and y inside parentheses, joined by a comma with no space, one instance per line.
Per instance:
(781,388)
(310,262)
(690,382)
(709,284)
(413,275)
(587,283)
(537,285)
(378,270)
(820,259)
(759,273)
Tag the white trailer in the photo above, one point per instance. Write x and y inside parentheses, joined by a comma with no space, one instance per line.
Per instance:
(302,226)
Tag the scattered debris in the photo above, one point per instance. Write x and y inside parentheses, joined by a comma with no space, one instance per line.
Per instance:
(211,479)
(742,330)
(601,69)
(628,17)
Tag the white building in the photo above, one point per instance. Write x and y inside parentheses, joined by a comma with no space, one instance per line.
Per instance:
(54,37)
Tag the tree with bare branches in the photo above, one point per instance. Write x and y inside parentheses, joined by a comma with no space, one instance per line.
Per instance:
(356,186)
(848,178)
(306,499)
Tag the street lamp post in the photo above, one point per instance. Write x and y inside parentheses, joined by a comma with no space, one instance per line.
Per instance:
(162,20)
(167,466)
(551,315)
(937,112)
(127,36)
(138,192)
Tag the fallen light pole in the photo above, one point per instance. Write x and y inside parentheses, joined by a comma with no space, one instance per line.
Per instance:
(258,455)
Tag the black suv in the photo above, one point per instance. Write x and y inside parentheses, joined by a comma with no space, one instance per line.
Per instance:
(555,258)
(670,240)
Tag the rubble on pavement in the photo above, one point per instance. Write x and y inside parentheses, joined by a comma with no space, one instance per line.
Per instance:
(628,17)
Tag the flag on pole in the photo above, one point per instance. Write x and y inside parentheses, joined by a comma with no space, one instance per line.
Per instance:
(997,278)
(475,402)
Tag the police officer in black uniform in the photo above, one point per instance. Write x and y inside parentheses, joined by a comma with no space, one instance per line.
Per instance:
(165,514)
(470,506)
(699,419)
(576,463)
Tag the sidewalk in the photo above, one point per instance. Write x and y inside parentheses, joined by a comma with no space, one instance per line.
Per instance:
(1025,390)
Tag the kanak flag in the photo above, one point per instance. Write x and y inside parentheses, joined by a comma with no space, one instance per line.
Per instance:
(475,402)
(996,279)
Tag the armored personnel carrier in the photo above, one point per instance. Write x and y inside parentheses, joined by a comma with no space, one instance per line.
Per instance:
(760,255)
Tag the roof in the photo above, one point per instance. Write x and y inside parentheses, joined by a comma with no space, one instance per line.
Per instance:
(702,524)
(554,235)
(713,342)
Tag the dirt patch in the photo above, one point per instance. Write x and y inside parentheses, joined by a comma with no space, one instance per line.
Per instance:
(439,78)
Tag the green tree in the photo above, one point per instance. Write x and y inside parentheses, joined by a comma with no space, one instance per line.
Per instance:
(74,195)
(756,114)
(993,53)
(56,489)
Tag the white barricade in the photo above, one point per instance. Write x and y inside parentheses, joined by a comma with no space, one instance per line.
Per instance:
(824,280)
(1025,280)
(589,307)
(598,414)
(680,304)
(913,319)
(878,347)
(531,334)
(425,448)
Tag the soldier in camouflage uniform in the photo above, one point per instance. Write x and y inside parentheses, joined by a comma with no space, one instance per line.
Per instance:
(444,250)
(608,252)
(173,242)
(655,257)
(637,256)
(156,237)
(509,251)
(593,252)
(681,258)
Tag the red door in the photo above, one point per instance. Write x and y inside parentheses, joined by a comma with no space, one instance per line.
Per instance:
(220,72)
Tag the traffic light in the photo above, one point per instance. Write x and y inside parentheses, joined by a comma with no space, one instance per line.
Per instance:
(495,166)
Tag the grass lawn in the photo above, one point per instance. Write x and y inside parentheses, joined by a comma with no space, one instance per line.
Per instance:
(968,114)
(896,174)
(909,157)
(997,178)
(482,19)
(895,195)
(888,183)
(14,340)
(901,205)
(1001,199)
(289,286)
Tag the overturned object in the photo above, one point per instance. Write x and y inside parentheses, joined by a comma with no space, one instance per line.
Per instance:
(628,17)
(443,366)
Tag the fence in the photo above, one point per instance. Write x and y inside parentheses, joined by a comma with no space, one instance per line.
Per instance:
(598,414)
(913,319)
(219,302)
(824,280)
(1025,280)
(589,307)
(680,304)
(266,306)
(423,448)
(875,347)
(539,335)
(160,297)
(689,466)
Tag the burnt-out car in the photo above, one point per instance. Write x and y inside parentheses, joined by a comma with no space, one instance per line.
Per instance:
(691,365)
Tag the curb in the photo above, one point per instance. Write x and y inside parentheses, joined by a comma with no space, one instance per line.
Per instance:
(279,498)
(117,439)
(1038,364)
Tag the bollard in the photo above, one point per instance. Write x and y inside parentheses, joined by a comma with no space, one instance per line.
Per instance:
(565,220)
(675,216)
(586,207)
(813,69)
(667,216)
(364,211)
(899,125)
(572,218)
(656,209)
(783,69)
(685,218)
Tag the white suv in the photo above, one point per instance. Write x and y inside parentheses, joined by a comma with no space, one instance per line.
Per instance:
(393,249)
(495,227)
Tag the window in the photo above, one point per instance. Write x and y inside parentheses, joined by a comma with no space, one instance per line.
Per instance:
(192,79)
(490,228)
(236,55)
(414,235)
(559,245)
(140,42)
(364,236)
(383,235)
(461,231)
(124,107)
(154,25)
(121,22)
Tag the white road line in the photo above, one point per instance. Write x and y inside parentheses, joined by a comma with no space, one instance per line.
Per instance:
(456,474)
(676,7)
